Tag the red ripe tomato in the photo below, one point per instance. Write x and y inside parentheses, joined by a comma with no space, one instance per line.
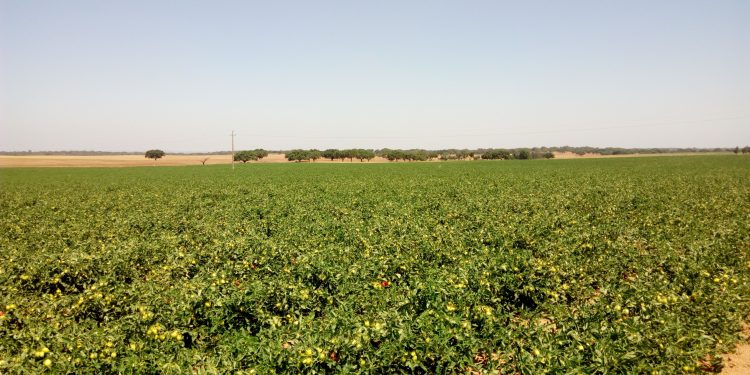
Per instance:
(385,283)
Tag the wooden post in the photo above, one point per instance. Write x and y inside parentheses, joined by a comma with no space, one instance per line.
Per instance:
(232,148)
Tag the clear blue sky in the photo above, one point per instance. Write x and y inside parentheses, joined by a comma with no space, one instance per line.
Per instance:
(180,75)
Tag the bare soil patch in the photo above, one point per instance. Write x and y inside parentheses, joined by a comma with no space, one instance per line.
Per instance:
(738,363)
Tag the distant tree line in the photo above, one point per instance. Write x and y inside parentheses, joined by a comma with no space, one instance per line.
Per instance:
(520,154)
(482,153)
(351,154)
(453,154)
(299,155)
(418,154)
(250,155)
(625,151)
(408,155)
(395,155)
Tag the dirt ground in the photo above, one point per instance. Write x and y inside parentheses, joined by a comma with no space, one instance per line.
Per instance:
(738,363)
(173,160)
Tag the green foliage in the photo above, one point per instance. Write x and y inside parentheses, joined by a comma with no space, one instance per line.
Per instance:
(393,155)
(407,155)
(541,155)
(297,155)
(351,154)
(331,154)
(154,154)
(314,154)
(634,265)
(303,155)
(245,156)
(522,155)
(497,154)
(250,155)
(363,155)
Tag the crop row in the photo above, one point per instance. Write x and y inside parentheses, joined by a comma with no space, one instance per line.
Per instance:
(588,266)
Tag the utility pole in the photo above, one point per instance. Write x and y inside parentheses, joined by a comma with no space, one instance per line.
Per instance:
(233,148)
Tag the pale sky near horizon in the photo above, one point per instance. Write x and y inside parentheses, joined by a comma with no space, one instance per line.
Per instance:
(180,75)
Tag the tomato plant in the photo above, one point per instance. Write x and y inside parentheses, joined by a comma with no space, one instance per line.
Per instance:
(591,266)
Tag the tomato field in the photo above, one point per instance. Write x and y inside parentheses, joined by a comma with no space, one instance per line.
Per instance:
(632,265)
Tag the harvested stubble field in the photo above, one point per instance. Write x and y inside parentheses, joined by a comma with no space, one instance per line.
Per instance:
(628,265)
(108,160)
(15,161)
(139,160)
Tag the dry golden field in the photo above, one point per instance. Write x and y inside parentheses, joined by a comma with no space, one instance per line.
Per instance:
(177,160)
